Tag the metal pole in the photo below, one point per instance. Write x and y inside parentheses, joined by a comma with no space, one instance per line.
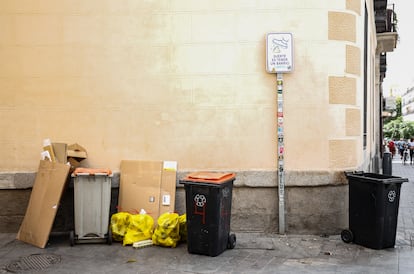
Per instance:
(280,153)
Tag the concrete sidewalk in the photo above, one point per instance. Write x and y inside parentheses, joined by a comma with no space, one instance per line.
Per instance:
(254,253)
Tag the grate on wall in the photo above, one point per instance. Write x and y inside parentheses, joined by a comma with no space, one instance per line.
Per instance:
(33,262)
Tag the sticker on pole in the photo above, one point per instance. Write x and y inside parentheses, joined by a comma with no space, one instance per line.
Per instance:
(279,52)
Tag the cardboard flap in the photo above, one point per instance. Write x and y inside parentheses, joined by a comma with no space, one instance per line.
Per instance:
(43,204)
(148,185)
(60,150)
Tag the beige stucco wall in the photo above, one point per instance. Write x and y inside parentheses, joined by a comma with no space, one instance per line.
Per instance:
(179,80)
(185,80)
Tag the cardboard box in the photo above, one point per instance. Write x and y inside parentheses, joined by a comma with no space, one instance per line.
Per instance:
(76,153)
(148,185)
(73,154)
(43,204)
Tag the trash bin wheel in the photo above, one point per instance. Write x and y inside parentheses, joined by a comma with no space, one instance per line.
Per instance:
(347,236)
(109,239)
(72,238)
(231,243)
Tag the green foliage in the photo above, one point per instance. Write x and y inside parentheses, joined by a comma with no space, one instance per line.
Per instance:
(397,111)
(395,127)
(398,128)
(398,106)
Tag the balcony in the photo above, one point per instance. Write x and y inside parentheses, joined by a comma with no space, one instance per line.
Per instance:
(380,4)
(386,27)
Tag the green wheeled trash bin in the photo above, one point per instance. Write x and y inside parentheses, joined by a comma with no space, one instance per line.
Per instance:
(373,209)
(208,210)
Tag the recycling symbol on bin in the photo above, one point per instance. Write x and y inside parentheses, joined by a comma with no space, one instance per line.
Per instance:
(200,200)
(391,196)
(226,192)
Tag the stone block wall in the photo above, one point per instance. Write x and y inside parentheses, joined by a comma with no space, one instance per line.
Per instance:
(311,209)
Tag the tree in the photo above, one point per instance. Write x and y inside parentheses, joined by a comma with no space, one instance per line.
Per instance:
(395,127)
(398,128)
(397,111)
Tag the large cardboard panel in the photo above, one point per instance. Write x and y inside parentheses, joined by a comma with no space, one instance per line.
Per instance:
(43,204)
(147,185)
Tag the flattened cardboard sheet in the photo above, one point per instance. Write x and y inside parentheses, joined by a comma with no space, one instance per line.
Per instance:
(43,204)
(148,185)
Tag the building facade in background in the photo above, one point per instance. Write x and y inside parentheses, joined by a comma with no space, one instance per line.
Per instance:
(407,105)
(187,81)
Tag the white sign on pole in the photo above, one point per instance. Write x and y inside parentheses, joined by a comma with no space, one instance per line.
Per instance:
(279,52)
(390,103)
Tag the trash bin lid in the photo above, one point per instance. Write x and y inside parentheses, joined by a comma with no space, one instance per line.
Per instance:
(375,177)
(91,171)
(209,177)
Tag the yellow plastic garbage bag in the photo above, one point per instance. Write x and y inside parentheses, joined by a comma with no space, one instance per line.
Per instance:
(140,228)
(167,232)
(119,225)
(182,221)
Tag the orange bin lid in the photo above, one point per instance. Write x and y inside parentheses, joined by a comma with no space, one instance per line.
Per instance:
(91,171)
(210,177)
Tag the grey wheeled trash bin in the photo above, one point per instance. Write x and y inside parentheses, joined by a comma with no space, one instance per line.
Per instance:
(92,201)
(373,209)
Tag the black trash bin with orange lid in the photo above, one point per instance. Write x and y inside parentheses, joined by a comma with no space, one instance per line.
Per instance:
(208,209)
